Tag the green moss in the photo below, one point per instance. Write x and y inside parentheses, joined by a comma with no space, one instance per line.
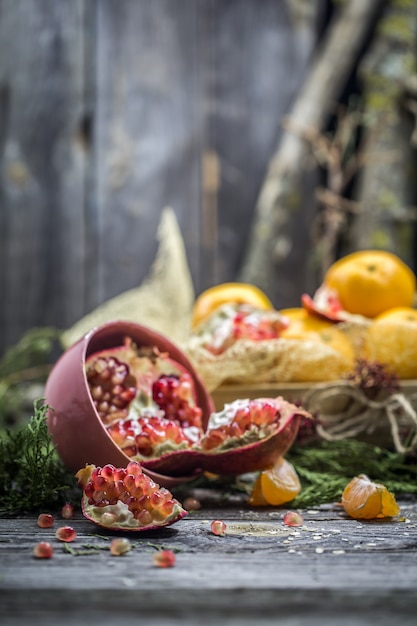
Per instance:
(380,239)
(398,27)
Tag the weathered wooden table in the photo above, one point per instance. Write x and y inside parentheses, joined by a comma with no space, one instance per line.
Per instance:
(331,570)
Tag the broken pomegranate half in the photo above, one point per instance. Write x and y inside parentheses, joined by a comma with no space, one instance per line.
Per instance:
(87,402)
(246,436)
(126,498)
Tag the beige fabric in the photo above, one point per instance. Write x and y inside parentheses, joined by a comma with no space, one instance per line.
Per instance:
(163,301)
(275,360)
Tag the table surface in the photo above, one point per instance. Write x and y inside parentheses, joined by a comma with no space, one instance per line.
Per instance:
(331,570)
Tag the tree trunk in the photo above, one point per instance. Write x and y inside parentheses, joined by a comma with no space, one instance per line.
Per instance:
(281,220)
(387,189)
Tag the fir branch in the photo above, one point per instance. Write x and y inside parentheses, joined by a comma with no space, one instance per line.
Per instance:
(31,474)
(326,468)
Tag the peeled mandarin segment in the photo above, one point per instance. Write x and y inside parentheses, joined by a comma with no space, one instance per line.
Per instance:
(369,282)
(364,499)
(257,498)
(280,484)
(240,293)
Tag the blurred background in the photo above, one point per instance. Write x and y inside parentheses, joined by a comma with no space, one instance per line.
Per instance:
(281,133)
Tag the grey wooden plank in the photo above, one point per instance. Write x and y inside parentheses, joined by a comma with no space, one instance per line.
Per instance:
(254,62)
(148,136)
(42,165)
(365,574)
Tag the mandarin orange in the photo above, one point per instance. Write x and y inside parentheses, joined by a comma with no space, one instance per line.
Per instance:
(392,340)
(368,282)
(364,499)
(238,293)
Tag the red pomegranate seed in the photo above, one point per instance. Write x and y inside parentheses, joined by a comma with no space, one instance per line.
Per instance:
(66,533)
(191,504)
(218,528)
(43,550)
(292,518)
(68,511)
(45,520)
(164,558)
(120,546)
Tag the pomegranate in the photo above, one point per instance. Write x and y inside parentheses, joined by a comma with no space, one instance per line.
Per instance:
(137,398)
(126,498)
(233,321)
(246,436)
(325,304)
(82,413)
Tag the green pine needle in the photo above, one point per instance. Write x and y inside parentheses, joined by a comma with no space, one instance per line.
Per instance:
(325,468)
(31,475)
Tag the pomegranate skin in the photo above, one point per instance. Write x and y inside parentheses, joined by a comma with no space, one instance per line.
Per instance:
(252,457)
(73,422)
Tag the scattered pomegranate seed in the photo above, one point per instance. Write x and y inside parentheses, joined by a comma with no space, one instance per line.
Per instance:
(218,528)
(191,504)
(66,533)
(120,546)
(68,511)
(292,518)
(45,520)
(43,550)
(164,558)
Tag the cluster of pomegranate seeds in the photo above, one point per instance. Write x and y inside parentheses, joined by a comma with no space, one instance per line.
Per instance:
(254,414)
(66,534)
(148,502)
(43,550)
(164,558)
(255,327)
(45,520)
(174,395)
(112,387)
(140,437)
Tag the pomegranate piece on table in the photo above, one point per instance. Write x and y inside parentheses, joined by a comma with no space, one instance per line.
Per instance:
(126,499)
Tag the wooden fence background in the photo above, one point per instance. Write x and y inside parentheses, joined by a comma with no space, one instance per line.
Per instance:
(111,110)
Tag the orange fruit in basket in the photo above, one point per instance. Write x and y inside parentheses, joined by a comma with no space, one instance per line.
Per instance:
(368,282)
(302,322)
(304,326)
(236,293)
(364,499)
(392,340)
(276,486)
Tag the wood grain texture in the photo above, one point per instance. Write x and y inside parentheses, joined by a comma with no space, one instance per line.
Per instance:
(332,568)
(107,112)
(42,162)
